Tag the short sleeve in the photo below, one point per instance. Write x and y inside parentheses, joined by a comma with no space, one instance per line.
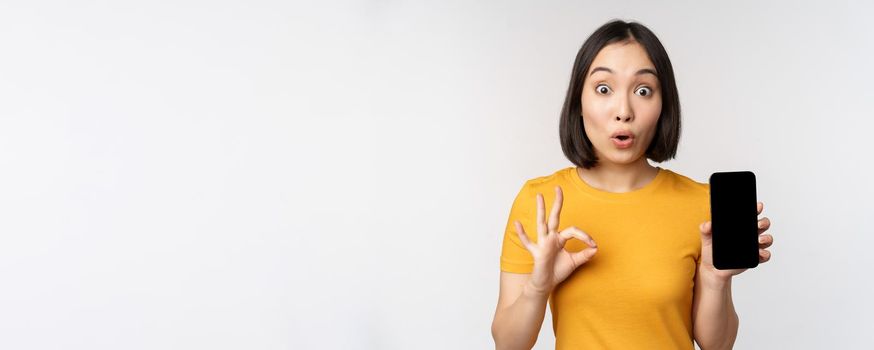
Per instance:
(514,256)
(704,216)
(707,203)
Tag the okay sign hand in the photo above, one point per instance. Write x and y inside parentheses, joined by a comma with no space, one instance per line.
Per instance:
(552,263)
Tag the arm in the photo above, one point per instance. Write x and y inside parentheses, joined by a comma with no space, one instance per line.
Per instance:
(523,296)
(520,312)
(714,319)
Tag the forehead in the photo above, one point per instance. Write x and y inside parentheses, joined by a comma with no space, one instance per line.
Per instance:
(625,57)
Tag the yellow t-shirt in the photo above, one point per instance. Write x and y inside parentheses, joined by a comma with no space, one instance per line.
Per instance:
(636,292)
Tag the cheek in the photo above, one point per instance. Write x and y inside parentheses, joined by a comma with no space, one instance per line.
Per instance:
(593,121)
(647,108)
(647,112)
(595,111)
(648,120)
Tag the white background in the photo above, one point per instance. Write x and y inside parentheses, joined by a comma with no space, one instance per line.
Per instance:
(268,175)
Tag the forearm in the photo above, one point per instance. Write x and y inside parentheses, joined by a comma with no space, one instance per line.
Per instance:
(716,322)
(517,326)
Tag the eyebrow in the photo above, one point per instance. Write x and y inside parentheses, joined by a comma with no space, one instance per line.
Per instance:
(608,70)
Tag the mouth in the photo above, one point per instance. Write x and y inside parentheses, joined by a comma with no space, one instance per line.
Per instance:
(622,139)
(622,134)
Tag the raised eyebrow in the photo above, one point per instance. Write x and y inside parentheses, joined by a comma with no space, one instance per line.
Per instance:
(647,71)
(600,69)
(640,72)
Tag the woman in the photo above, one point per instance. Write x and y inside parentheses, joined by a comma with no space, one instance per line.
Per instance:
(630,266)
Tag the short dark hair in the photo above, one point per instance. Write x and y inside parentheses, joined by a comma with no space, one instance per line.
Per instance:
(574,143)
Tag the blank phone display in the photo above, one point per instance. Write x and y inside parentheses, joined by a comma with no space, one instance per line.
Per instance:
(734,220)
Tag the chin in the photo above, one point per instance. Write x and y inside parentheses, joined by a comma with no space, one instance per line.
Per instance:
(623,159)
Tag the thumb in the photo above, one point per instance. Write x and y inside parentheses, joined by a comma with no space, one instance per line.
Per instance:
(583,256)
(706,230)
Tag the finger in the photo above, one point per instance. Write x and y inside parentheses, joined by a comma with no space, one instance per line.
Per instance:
(706,227)
(575,232)
(765,241)
(552,225)
(541,221)
(583,256)
(764,224)
(759,207)
(764,256)
(523,236)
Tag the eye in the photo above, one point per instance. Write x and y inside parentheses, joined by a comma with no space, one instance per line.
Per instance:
(643,91)
(603,89)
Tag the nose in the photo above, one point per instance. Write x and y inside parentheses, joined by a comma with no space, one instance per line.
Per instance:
(624,113)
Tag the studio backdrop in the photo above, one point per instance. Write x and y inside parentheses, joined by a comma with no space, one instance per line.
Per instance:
(338,175)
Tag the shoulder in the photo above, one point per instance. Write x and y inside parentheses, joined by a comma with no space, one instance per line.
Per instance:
(544,184)
(686,184)
(560,177)
(687,193)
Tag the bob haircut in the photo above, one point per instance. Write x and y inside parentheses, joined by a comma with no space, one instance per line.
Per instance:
(574,143)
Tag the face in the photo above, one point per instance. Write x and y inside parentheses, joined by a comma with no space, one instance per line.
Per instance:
(621,93)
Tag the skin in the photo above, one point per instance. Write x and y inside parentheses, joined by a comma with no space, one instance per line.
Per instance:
(621,91)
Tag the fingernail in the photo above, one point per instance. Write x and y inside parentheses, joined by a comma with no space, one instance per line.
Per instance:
(761,239)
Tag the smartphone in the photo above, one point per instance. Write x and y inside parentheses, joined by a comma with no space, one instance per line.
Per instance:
(734,220)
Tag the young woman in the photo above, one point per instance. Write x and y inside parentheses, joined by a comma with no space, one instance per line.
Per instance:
(630,265)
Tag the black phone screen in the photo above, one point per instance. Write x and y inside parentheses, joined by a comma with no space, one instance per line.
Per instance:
(734,220)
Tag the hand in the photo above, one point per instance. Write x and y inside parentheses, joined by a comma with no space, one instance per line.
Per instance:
(552,263)
(705,265)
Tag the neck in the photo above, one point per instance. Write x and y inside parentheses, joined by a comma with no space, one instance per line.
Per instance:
(618,178)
